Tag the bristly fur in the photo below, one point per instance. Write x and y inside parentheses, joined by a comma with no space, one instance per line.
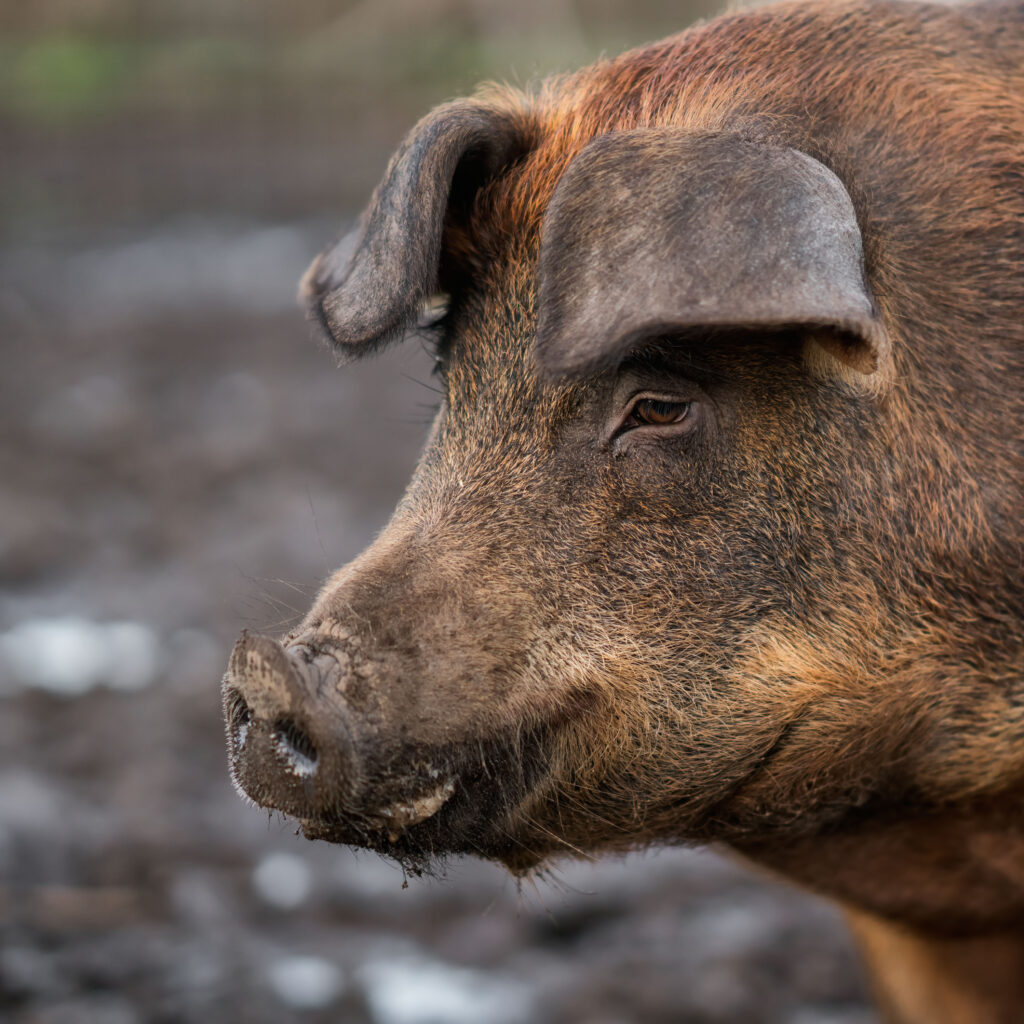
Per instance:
(794,628)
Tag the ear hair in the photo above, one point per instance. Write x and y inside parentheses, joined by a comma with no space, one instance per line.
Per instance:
(664,231)
(367,289)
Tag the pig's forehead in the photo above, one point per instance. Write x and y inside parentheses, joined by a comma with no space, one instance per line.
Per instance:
(489,351)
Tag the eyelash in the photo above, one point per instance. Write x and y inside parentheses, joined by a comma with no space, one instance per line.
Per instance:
(433,337)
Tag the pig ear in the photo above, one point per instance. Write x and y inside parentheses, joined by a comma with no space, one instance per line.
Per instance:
(663,231)
(370,286)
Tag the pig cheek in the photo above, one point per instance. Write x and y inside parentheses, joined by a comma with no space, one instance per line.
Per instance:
(662,736)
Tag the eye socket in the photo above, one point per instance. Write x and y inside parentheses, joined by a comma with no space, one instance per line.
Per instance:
(657,412)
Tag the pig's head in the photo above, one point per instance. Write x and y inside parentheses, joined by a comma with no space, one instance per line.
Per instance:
(666,566)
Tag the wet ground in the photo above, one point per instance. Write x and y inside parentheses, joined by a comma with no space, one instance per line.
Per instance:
(179,461)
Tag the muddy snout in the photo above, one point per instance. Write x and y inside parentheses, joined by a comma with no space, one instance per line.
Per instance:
(288,743)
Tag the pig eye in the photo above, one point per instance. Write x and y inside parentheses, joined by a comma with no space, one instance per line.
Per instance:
(656,412)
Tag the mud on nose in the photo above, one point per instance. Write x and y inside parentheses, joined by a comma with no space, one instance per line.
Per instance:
(281,756)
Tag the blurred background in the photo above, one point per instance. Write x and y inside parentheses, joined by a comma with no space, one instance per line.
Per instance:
(179,461)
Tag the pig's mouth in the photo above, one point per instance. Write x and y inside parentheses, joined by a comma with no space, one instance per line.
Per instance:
(403,814)
(468,810)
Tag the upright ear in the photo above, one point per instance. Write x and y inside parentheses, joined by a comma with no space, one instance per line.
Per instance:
(365,290)
(660,231)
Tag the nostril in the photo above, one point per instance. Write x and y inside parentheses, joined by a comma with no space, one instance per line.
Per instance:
(295,746)
(239,716)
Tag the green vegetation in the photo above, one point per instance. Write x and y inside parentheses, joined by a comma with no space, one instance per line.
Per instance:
(57,77)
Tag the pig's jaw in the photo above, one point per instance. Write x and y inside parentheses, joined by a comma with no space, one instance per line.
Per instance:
(471,810)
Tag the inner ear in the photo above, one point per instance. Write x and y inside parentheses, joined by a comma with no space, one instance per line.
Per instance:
(368,288)
(659,232)
(458,244)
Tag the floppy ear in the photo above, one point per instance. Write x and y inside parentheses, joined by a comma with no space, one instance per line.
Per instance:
(365,290)
(660,231)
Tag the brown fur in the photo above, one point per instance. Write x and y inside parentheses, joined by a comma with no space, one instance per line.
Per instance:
(796,631)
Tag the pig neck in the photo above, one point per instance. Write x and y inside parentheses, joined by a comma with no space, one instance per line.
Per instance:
(955,872)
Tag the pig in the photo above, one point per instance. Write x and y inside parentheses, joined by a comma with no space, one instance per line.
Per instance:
(717,535)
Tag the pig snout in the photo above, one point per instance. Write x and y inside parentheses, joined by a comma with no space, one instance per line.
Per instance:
(287,742)
(305,738)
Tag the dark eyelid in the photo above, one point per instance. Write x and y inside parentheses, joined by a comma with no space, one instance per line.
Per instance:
(655,394)
(670,358)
